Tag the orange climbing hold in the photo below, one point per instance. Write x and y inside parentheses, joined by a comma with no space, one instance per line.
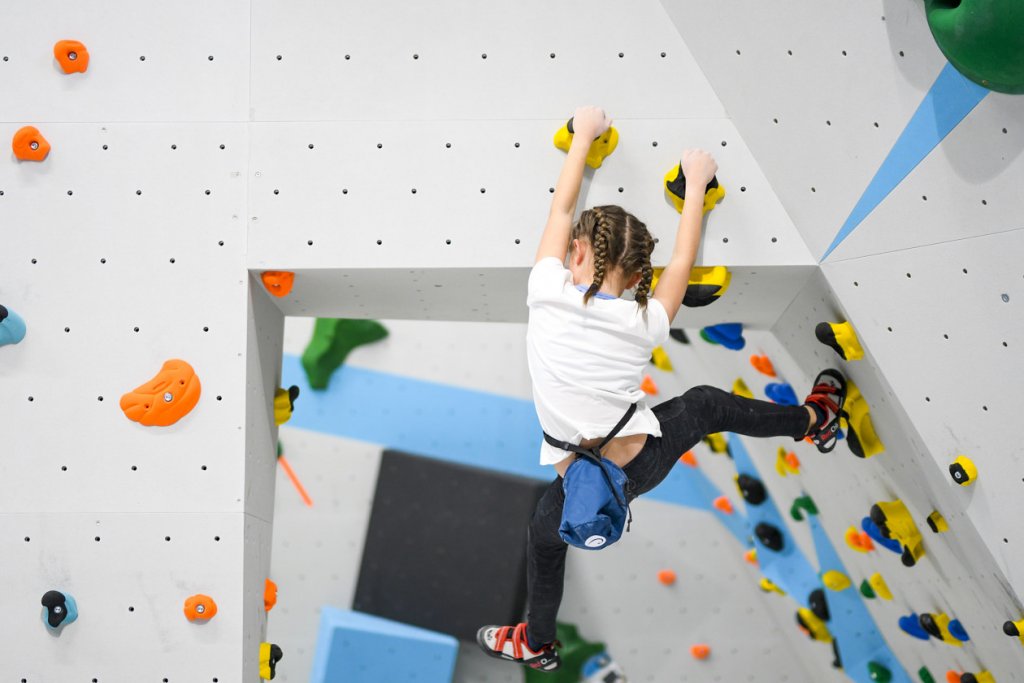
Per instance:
(688,458)
(667,577)
(858,540)
(751,556)
(793,462)
(723,505)
(648,386)
(166,398)
(763,365)
(71,55)
(700,651)
(278,282)
(952,677)
(29,144)
(200,608)
(269,595)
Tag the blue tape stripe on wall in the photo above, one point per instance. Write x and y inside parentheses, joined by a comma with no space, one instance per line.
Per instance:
(450,423)
(950,99)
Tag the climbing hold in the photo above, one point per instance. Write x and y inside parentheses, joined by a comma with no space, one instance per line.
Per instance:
(333,339)
(937,523)
(982,40)
(706,285)
(812,625)
(980,677)
(937,626)
(602,146)
(723,505)
(863,441)
(769,536)
(835,580)
(666,577)
(648,386)
(911,625)
(781,393)
(700,651)
(269,595)
(800,506)
(284,404)
(750,556)
(716,442)
(71,55)
(752,489)
(675,186)
(29,144)
(768,587)
(786,462)
(963,470)
(858,540)
(763,365)
(1014,629)
(278,282)
(880,587)
(59,609)
(601,668)
(866,590)
(740,388)
(817,603)
(957,630)
(952,676)
(875,534)
(200,608)
(925,675)
(270,655)
(661,359)
(688,458)
(169,396)
(842,338)
(12,327)
(877,672)
(894,522)
(729,335)
(679,335)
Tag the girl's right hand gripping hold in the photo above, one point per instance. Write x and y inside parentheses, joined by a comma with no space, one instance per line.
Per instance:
(589,122)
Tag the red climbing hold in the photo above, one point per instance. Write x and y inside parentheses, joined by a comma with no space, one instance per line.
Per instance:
(71,55)
(29,144)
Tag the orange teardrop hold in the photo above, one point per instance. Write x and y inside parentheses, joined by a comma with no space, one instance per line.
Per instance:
(952,677)
(278,282)
(269,595)
(751,556)
(29,144)
(200,608)
(700,651)
(688,458)
(71,55)
(723,505)
(793,461)
(667,577)
(648,386)
(763,365)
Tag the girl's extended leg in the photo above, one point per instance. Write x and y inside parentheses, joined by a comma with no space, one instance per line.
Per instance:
(545,565)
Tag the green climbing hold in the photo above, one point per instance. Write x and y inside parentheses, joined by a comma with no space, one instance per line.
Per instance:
(573,653)
(801,505)
(866,590)
(925,675)
(879,673)
(333,339)
(983,39)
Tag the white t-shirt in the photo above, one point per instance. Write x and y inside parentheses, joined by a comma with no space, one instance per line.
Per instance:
(587,363)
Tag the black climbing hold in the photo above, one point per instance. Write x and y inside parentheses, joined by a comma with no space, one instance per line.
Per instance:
(770,536)
(56,608)
(679,335)
(927,622)
(752,489)
(1010,629)
(837,662)
(878,517)
(816,601)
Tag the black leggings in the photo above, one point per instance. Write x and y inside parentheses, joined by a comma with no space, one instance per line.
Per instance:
(685,420)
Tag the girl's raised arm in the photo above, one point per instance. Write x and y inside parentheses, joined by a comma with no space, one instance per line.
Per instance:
(588,123)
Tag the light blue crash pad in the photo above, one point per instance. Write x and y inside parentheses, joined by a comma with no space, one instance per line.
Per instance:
(360,648)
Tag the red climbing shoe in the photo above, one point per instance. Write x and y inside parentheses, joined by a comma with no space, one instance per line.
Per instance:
(828,396)
(509,643)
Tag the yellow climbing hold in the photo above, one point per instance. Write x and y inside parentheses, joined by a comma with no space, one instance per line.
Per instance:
(842,338)
(717,443)
(767,586)
(600,148)
(740,388)
(878,585)
(661,359)
(786,463)
(835,580)
(861,436)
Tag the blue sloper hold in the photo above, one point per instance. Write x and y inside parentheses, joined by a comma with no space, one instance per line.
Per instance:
(729,335)
(857,637)
(872,530)
(951,98)
(957,630)
(781,393)
(911,625)
(787,568)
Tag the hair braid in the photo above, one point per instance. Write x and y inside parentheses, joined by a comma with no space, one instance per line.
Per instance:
(621,244)
(602,236)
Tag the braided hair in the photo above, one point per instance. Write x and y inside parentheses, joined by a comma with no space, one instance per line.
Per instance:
(620,240)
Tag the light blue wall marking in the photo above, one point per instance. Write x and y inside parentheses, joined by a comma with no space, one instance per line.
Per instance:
(950,99)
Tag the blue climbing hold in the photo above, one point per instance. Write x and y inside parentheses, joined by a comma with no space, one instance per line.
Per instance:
(729,335)
(875,533)
(911,625)
(957,630)
(781,393)
(12,327)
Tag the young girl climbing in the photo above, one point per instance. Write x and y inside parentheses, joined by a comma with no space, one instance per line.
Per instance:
(587,351)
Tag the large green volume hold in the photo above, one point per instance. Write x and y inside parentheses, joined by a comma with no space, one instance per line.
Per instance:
(333,339)
(575,650)
(983,39)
